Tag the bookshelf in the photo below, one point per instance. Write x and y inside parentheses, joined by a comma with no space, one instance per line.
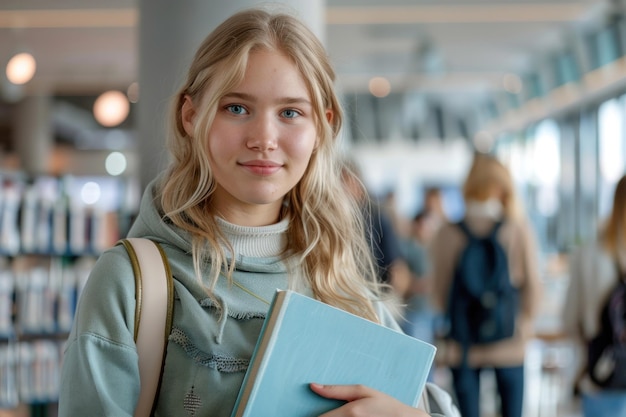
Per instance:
(52,230)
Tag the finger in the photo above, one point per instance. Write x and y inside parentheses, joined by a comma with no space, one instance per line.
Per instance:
(342,392)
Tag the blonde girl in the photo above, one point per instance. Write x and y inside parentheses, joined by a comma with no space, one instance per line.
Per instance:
(251,202)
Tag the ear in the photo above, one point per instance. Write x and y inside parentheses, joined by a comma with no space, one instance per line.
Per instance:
(329,115)
(188,115)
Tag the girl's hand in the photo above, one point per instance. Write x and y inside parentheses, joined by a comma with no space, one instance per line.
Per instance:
(363,401)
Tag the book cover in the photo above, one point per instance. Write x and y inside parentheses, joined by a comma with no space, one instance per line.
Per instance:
(304,340)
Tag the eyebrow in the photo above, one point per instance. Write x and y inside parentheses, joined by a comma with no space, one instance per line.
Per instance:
(282,100)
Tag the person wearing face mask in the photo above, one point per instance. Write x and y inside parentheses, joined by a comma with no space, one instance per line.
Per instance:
(490,201)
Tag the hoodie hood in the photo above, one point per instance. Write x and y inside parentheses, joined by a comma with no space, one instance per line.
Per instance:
(258,265)
(151,224)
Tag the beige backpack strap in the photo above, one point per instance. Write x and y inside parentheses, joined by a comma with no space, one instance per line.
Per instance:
(154,295)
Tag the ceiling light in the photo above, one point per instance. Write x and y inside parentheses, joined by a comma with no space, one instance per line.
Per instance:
(379,87)
(115,163)
(21,68)
(111,108)
(90,193)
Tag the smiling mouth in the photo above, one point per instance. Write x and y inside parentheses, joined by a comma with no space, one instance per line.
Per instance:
(261,168)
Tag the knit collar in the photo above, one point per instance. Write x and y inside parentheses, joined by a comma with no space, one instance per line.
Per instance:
(257,242)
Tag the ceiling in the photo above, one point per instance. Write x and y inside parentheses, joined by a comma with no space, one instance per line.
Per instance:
(446,45)
(456,49)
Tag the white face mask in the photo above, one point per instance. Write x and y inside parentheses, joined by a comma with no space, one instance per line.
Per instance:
(488,208)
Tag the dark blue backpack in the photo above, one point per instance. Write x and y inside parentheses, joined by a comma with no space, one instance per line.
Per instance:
(606,352)
(483,304)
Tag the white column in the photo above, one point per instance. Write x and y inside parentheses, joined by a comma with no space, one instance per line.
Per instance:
(169,33)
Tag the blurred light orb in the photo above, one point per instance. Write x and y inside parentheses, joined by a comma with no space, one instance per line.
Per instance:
(111,108)
(132,92)
(90,193)
(115,163)
(379,87)
(21,68)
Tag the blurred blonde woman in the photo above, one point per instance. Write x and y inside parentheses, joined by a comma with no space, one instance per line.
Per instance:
(490,199)
(595,269)
(252,202)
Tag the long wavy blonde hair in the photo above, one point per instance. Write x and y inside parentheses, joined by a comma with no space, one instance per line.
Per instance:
(325,235)
(614,232)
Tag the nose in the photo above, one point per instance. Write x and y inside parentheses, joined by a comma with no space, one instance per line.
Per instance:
(263,135)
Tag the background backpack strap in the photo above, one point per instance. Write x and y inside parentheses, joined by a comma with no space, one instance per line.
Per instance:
(495,228)
(154,295)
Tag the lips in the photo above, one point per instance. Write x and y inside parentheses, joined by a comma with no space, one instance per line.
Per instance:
(261,167)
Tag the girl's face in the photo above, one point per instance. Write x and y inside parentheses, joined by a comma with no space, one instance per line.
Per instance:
(261,140)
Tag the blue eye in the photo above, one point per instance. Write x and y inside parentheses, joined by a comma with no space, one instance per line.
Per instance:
(290,114)
(236,109)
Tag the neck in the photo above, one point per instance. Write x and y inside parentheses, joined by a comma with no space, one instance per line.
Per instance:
(256,241)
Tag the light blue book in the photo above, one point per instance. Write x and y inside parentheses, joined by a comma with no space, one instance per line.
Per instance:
(304,340)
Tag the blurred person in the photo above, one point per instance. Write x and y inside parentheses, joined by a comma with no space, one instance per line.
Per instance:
(401,223)
(597,270)
(490,202)
(252,201)
(433,204)
(381,235)
(418,314)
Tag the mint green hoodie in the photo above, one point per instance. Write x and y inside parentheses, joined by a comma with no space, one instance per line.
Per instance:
(207,356)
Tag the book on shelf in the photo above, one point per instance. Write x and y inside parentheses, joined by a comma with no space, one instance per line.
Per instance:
(304,340)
